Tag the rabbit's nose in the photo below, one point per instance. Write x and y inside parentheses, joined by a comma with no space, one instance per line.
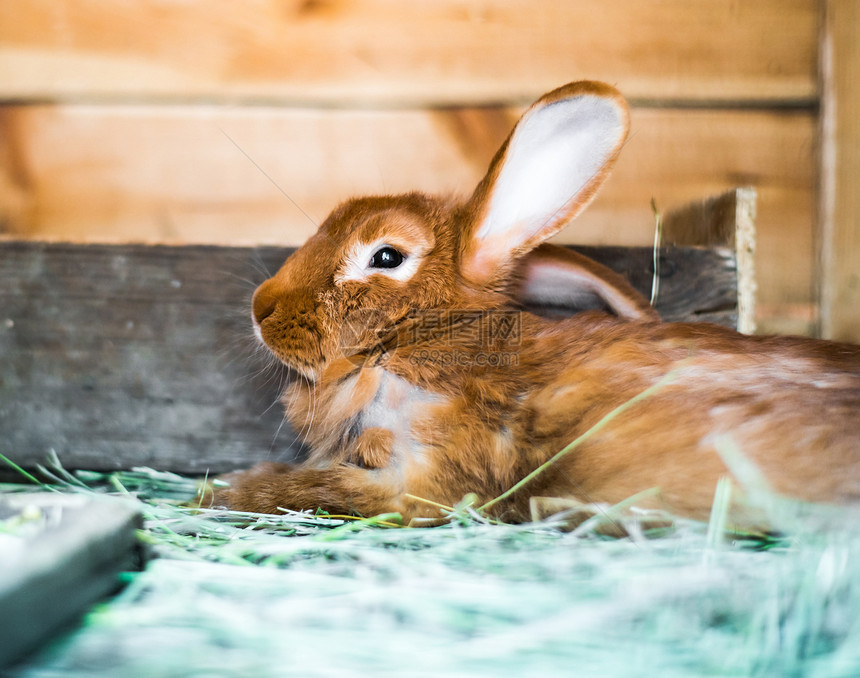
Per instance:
(263,304)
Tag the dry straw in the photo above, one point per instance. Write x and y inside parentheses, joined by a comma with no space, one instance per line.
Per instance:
(237,594)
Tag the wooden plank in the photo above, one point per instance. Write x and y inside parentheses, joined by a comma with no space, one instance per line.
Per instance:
(387,52)
(727,220)
(65,554)
(697,284)
(129,355)
(840,169)
(135,354)
(170,175)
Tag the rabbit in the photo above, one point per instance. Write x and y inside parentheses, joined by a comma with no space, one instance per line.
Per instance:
(422,380)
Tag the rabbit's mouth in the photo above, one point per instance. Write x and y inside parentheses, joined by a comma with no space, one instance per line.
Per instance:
(298,348)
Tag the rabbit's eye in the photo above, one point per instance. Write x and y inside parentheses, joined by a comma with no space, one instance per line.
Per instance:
(387,257)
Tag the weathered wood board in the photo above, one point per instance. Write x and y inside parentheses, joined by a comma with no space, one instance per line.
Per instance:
(387,52)
(134,355)
(64,556)
(129,355)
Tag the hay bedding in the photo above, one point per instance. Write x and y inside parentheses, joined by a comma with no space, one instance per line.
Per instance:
(230,594)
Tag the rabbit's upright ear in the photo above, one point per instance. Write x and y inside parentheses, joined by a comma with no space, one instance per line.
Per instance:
(546,172)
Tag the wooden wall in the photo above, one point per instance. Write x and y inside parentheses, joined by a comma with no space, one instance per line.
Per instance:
(245,122)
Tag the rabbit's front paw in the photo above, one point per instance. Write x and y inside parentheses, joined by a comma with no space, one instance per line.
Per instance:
(372,449)
(245,490)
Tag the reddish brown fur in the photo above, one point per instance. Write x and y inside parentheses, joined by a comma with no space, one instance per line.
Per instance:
(387,419)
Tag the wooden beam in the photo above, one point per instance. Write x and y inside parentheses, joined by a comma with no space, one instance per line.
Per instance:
(840,172)
(394,53)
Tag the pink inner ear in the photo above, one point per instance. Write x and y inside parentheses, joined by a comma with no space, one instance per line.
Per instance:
(576,282)
(558,155)
(558,286)
(551,281)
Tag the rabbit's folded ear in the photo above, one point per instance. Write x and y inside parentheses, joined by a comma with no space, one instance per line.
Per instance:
(557,279)
(546,172)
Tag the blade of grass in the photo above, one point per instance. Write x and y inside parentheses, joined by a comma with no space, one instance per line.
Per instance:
(719,516)
(55,464)
(24,473)
(658,237)
(441,507)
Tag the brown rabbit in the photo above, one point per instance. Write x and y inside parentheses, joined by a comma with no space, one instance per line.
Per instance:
(422,381)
